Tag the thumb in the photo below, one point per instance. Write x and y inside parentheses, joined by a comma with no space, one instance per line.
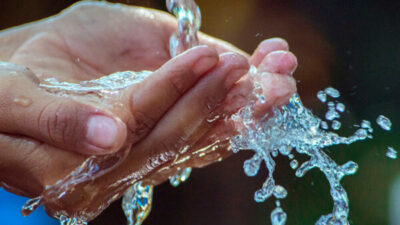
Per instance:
(27,110)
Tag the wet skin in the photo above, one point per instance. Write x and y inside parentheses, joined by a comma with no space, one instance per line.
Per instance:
(149,130)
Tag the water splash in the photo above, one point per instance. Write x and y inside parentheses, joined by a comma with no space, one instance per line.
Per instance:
(391,153)
(71,221)
(180,177)
(136,203)
(294,127)
(384,122)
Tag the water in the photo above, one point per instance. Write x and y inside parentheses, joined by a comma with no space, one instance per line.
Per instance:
(391,153)
(23,101)
(136,203)
(384,122)
(294,126)
(180,177)
(287,130)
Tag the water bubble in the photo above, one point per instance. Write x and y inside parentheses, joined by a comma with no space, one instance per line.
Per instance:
(278,216)
(391,153)
(332,92)
(384,122)
(71,221)
(321,95)
(340,107)
(294,164)
(336,125)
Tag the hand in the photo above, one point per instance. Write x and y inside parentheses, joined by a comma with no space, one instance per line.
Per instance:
(53,52)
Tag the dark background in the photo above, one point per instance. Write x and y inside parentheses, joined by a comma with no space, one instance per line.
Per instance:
(353,45)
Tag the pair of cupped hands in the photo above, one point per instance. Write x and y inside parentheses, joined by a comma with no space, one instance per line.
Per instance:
(45,140)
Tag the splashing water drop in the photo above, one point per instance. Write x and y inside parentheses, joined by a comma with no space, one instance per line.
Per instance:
(324,125)
(340,107)
(280,192)
(391,153)
(278,216)
(331,115)
(336,125)
(332,92)
(71,221)
(294,164)
(321,95)
(180,177)
(384,122)
(31,205)
(136,203)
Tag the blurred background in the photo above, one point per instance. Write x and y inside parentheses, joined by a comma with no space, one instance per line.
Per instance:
(352,45)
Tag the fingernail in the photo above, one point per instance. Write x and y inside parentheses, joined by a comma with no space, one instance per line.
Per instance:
(102,132)
(234,76)
(204,64)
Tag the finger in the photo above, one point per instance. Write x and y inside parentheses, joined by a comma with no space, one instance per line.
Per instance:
(26,109)
(164,142)
(266,47)
(159,92)
(275,77)
(220,45)
(27,166)
(190,114)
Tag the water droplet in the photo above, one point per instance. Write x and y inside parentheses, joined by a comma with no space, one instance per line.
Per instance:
(294,164)
(180,177)
(137,202)
(251,166)
(332,92)
(278,216)
(340,107)
(321,95)
(71,221)
(280,192)
(391,153)
(384,122)
(23,101)
(324,125)
(31,205)
(331,115)
(336,125)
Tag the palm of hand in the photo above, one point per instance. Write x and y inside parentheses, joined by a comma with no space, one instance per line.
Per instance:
(73,49)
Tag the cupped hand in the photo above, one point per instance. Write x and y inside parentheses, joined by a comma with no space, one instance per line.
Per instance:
(158,118)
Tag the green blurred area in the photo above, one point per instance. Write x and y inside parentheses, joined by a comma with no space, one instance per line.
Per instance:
(353,46)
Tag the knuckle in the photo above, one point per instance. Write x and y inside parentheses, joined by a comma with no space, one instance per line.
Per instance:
(177,85)
(142,125)
(60,121)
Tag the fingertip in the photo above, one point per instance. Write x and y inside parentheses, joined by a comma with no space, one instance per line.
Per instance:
(267,46)
(280,62)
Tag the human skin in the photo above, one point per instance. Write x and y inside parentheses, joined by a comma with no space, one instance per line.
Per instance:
(152,120)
